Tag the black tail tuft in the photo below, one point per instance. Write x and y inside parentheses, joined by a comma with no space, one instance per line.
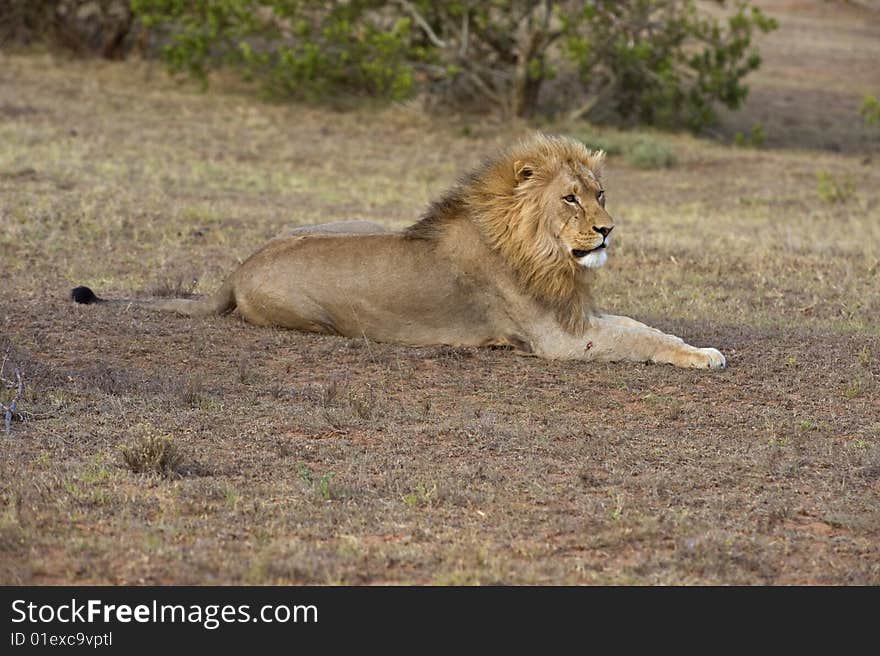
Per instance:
(84,295)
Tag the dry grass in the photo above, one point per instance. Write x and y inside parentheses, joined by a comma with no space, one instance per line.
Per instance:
(153,454)
(310,459)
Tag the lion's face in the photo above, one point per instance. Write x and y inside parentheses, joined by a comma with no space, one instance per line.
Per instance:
(541,206)
(575,203)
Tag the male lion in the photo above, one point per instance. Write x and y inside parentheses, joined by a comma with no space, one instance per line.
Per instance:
(507,257)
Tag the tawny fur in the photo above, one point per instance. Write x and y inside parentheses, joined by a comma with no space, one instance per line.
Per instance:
(499,260)
(514,221)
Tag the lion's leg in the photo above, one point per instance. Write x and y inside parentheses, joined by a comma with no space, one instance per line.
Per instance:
(621,338)
(628,322)
(612,338)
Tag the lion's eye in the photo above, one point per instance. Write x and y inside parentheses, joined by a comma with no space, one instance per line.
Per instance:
(601,197)
(570,198)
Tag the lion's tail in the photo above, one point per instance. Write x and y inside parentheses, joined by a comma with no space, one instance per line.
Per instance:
(221,302)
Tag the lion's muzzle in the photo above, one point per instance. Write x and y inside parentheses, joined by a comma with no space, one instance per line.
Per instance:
(578,253)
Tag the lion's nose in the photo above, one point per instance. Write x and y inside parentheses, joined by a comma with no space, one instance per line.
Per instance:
(603,230)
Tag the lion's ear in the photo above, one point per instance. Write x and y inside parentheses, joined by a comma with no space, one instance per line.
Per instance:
(522,170)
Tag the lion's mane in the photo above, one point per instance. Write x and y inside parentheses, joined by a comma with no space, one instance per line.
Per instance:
(511,216)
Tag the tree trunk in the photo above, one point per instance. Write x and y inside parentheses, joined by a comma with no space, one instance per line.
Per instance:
(528,75)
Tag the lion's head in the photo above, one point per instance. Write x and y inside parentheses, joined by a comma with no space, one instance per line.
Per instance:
(541,204)
(559,186)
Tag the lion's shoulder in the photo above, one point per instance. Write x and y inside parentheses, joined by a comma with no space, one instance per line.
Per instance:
(450,207)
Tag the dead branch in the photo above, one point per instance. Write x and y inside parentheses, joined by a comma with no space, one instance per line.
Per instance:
(594,101)
(426,27)
(465,20)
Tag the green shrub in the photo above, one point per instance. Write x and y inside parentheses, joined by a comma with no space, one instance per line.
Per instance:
(294,48)
(610,145)
(662,62)
(650,154)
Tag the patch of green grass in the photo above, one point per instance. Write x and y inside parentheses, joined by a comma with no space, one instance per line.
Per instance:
(96,474)
(855,388)
(870,110)
(611,145)
(649,153)
(640,149)
(834,189)
(780,441)
(617,506)
(101,497)
(231,497)
(422,495)
(69,485)
(320,485)
(200,214)
(305,474)
(193,393)
(754,139)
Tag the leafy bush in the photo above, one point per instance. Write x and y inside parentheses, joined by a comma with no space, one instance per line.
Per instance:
(650,154)
(296,48)
(662,62)
(638,149)
(610,145)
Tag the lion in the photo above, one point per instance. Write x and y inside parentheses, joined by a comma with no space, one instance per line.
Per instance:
(508,257)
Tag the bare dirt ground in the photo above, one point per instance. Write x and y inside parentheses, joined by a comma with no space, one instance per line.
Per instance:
(309,459)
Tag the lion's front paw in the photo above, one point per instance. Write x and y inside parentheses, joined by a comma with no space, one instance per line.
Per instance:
(708,358)
(699,358)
